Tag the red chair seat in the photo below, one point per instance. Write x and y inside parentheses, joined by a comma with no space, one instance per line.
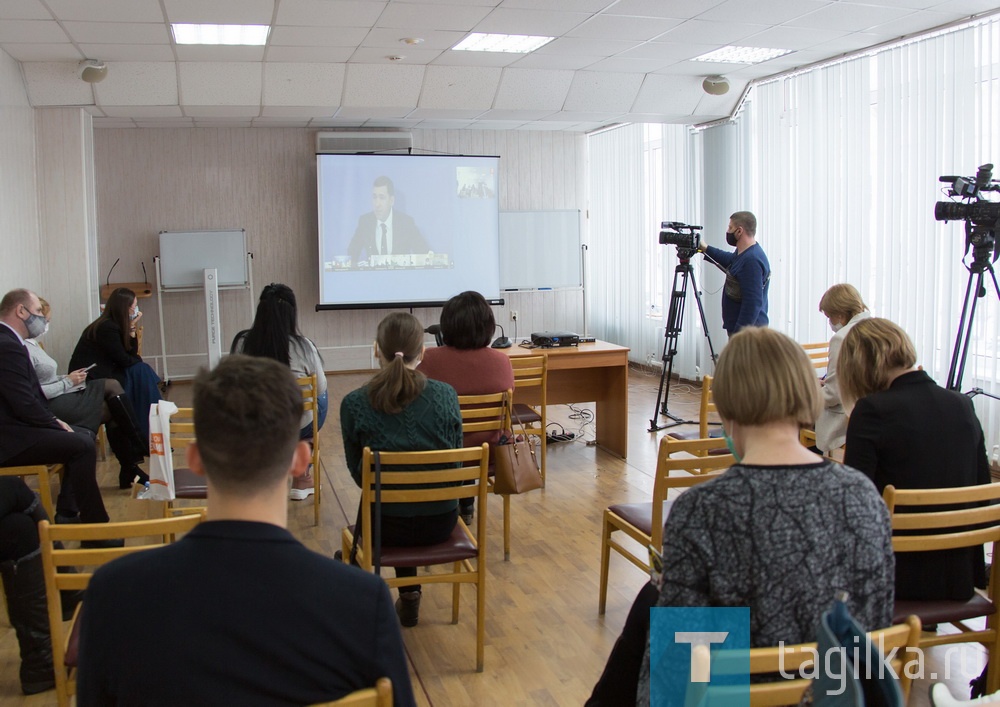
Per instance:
(188,484)
(455,548)
(526,414)
(640,514)
(935,611)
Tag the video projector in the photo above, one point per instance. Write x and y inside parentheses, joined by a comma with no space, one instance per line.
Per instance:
(553,339)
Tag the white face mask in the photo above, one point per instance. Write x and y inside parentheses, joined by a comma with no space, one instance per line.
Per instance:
(836,327)
(134,314)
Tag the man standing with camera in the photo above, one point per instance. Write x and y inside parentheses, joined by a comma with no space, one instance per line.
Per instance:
(748,274)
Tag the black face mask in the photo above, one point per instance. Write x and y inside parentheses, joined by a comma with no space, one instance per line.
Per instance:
(731,238)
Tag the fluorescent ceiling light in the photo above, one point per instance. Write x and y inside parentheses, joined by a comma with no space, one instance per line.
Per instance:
(511,43)
(255,35)
(742,55)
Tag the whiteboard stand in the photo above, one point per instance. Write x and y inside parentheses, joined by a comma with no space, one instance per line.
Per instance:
(583,280)
(210,288)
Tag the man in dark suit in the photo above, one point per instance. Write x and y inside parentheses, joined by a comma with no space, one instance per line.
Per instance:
(29,432)
(385,231)
(238,611)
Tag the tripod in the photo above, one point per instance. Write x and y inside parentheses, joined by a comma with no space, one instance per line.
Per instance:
(683,275)
(980,266)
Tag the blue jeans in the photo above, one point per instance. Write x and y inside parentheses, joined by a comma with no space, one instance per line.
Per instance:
(323,403)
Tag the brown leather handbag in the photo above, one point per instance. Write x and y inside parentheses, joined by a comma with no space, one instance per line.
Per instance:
(516,464)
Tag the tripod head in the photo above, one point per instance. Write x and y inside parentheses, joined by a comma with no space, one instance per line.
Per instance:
(681,235)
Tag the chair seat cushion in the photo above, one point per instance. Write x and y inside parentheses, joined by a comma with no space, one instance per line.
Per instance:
(640,514)
(188,484)
(935,611)
(526,414)
(457,547)
(697,435)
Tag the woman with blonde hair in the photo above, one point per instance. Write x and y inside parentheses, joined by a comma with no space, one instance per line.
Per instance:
(843,306)
(781,531)
(907,431)
(401,410)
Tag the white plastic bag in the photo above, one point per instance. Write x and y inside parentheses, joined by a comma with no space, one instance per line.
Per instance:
(161,462)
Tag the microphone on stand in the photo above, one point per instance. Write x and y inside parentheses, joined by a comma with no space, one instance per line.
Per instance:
(502,342)
(435,329)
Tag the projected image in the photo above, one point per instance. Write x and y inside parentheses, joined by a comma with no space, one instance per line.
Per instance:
(406,228)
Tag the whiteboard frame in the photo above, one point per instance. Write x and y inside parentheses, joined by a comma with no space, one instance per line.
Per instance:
(528,249)
(188,255)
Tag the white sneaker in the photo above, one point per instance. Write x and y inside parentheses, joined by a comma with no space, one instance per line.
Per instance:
(302,487)
(941,697)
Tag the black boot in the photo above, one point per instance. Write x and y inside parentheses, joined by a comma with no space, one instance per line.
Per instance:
(124,417)
(24,586)
(128,458)
(69,598)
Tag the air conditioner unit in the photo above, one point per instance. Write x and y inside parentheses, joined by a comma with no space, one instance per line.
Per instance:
(352,143)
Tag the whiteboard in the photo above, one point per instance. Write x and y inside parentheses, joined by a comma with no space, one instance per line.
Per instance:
(540,249)
(185,254)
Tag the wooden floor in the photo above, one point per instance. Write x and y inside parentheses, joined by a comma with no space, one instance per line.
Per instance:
(545,643)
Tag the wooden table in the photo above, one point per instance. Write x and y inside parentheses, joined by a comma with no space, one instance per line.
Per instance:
(589,372)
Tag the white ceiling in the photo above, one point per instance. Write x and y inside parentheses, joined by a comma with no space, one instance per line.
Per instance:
(326,65)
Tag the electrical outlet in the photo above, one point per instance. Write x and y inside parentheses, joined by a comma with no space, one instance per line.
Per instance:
(513,315)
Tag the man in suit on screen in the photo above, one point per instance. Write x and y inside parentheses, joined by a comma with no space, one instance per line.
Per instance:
(384,230)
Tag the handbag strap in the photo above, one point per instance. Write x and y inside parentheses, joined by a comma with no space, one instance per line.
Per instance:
(517,418)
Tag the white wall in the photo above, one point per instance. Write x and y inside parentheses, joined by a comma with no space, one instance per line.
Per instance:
(264,180)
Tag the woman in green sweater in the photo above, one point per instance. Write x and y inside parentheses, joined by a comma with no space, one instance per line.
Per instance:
(400,410)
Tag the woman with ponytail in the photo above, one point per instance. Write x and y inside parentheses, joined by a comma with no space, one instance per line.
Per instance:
(400,410)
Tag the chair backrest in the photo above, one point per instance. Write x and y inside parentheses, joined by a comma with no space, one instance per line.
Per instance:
(941,525)
(181,430)
(707,407)
(310,403)
(485,413)
(71,569)
(902,638)
(531,372)
(378,696)
(418,477)
(818,353)
(699,469)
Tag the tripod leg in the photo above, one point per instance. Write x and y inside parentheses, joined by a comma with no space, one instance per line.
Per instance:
(704,322)
(675,318)
(961,351)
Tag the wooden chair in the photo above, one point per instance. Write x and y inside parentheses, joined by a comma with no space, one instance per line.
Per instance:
(65,644)
(643,522)
(310,403)
(818,353)
(410,481)
(488,413)
(378,696)
(901,638)
(706,409)
(44,472)
(187,484)
(532,372)
(937,526)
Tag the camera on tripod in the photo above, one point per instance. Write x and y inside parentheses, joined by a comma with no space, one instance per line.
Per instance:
(682,235)
(981,216)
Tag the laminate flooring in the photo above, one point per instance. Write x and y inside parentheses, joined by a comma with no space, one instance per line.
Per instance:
(545,643)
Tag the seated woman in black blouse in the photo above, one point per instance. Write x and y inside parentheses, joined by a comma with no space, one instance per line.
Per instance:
(907,431)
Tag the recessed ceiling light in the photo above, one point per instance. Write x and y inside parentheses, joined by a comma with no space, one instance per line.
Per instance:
(412,40)
(742,55)
(255,35)
(511,43)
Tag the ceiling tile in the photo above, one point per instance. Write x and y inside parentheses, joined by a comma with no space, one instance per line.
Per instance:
(459,87)
(382,86)
(618,27)
(107,10)
(847,43)
(336,122)
(317,36)
(703,32)
(117,32)
(792,37)
(22,31)
(534,22)
(445,124)
(497,124)
(182,122)
(913,4)
(597,91)
(533,89)
(415,16)
(56,84)
(762,12)
(364,112)
(106,123)
(630,64)
(554,61)
(329,13)
(136,83)
(289,84)
(380,55)
(43,52)
(668,95)
(911,24)
(514,115)
(222,122)
(573,5)
(550,125)
(197,52)
(586,47)
(699,68)
(300,112)
(575,117)
(444,114)
(309,54)
(966,7)
(397,123)
(143,112)
(266,121)
(219,84)
(216,111)
(453,58)
(23,10)
(850,17)
(128,52)
(223,12)
(669,51)
(681,9)
(433,39)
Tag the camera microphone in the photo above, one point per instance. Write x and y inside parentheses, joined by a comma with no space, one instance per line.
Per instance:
(948,179)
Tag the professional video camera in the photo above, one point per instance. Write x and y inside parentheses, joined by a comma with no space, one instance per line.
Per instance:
(982,217)
(682,235)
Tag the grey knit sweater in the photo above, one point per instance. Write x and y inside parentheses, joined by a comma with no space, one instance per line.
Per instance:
(782,541)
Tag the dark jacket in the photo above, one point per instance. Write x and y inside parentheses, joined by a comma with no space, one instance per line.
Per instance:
(107,351)
(23,408)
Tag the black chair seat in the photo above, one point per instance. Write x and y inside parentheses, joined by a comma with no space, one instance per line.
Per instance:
(526,414)
(935,611)
(455,548)
(640,514)
(188,484)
